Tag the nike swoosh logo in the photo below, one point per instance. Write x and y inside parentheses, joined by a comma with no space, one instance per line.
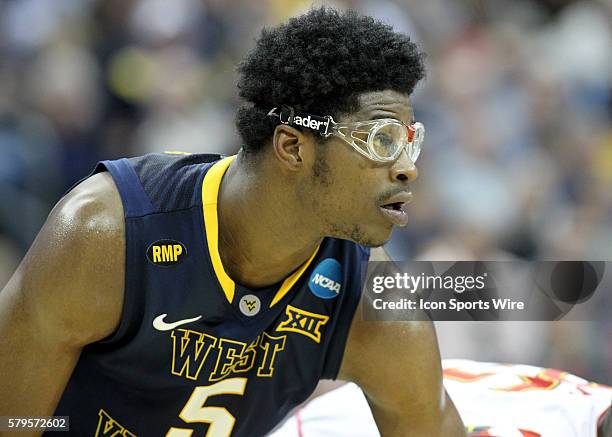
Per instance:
(160,325)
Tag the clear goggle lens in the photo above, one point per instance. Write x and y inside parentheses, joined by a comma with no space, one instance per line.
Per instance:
(388,140)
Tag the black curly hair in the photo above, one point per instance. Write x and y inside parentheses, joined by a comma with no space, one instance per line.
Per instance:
(319,63)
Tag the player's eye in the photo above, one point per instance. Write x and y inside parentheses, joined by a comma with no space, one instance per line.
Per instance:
(385,141)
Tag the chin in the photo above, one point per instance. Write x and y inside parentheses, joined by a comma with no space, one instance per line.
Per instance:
(373,243)
(366,235)
(371,237)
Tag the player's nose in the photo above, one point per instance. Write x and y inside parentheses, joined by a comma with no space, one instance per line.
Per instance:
(403,169)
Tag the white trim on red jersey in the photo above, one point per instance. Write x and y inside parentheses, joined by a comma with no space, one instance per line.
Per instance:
(501,400)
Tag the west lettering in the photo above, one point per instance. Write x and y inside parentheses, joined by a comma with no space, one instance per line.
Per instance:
(271,346)
(189,352)
(230,352)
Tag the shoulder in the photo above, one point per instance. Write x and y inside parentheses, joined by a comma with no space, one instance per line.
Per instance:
(72,278)
(397,347)
(88,218)
(398,366)
(93,205)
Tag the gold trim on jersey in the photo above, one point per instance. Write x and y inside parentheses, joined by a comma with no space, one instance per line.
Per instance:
(288,283)
(210,194)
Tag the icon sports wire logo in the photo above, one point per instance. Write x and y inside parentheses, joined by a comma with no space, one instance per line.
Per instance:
(326,279)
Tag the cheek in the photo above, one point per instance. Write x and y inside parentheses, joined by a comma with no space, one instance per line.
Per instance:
(353,198)
(353,184)
(346,186)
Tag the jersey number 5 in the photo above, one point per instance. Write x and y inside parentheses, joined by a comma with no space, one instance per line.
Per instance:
(194,411)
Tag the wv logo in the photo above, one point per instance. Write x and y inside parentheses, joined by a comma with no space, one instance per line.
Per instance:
(326,279)
(249,305)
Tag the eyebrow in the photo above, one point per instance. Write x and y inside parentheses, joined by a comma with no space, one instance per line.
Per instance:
(377,117)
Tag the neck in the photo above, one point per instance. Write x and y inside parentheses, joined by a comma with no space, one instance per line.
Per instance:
(263,236)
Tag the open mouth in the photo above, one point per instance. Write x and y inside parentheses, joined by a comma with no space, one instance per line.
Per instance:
(395,211)
(396,206)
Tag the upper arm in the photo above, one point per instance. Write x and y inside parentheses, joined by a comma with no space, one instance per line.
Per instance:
(67,292)
(398,366)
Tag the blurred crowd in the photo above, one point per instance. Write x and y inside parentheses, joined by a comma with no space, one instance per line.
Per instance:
(517,105)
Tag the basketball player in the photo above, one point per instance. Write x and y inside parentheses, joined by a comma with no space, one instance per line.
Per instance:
(187,295)
(495,400)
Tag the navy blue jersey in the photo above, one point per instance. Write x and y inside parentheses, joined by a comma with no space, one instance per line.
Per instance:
(195,351)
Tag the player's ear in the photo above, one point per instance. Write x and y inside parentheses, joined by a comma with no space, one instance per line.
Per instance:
(289,146)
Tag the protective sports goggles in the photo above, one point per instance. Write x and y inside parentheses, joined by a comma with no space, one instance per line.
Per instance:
(381,140)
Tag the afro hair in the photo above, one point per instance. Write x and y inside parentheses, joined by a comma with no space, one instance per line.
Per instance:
(320,63)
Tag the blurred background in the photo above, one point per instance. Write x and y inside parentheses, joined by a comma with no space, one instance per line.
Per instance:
(517,105)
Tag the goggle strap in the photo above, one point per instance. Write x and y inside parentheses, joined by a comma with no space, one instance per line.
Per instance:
(290,116)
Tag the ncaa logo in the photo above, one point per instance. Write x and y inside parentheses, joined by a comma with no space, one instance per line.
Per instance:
(326,279)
